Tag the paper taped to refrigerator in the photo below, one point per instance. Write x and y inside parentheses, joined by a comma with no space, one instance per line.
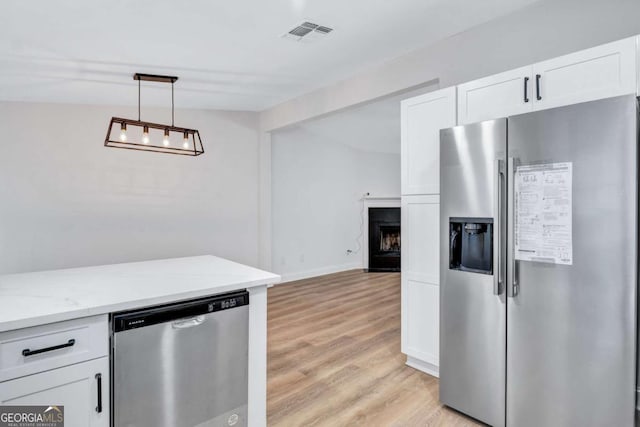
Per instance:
(543,212)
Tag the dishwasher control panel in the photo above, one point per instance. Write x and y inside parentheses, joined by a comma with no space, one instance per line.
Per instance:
(159,314)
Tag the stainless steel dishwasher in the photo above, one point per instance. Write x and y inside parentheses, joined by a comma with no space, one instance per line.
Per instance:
(182,365)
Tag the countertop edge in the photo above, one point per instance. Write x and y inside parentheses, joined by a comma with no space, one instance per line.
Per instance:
(38,320)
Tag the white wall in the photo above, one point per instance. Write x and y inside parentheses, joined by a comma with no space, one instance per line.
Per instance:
(544,30)
(318,179)
(66,201)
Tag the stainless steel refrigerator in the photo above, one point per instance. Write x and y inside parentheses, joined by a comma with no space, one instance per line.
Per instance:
(539,266)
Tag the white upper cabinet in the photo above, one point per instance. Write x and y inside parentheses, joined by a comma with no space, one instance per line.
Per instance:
(600,72)
(495,96)
(422,119)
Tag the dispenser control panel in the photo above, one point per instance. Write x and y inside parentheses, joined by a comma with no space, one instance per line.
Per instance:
(471,245)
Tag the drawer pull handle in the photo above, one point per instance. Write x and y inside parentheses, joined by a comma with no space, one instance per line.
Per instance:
(26,352)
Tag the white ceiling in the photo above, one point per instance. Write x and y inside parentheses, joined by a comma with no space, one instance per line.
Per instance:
(228,55)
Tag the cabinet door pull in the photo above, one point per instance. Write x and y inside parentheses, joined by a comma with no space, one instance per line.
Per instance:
(26,352)
(99,382)
(526,89)
(538,76)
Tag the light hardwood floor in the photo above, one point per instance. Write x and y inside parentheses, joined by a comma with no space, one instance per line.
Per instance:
(334,357)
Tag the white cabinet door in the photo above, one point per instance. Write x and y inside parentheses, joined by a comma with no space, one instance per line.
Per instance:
(596,73)
(495,96)
(422,119)
(420,280)
(638,65)
(75,387)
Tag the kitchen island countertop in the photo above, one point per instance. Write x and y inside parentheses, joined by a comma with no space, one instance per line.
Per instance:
(31,299)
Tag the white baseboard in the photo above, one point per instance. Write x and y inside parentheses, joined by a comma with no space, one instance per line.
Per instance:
(290,277)
(425,367)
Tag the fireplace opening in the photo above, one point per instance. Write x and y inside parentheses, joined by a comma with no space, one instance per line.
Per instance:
(389,238)
(384,239)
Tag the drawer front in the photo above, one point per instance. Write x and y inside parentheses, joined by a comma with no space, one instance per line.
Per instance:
(40,348)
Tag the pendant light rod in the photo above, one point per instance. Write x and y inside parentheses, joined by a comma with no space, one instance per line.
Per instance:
(159,79)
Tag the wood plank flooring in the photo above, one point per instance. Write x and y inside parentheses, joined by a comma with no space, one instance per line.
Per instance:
(334,357)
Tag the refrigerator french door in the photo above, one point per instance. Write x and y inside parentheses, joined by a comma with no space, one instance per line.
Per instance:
(538,267)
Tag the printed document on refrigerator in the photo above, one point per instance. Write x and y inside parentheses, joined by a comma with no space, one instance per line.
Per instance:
(543,213)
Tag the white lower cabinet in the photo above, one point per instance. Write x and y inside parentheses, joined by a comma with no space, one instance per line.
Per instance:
(76,387)
(53,345)
(420,282)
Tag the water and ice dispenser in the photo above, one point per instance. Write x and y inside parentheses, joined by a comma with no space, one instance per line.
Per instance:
(471,244)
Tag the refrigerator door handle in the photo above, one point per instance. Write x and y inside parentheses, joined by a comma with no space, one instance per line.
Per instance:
(512,271)
(498,262)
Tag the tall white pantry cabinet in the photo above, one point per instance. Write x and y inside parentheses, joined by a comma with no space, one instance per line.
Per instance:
(422,119)
(600,72)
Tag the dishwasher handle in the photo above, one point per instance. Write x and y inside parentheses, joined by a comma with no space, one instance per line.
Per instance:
(188,322)
(180,315)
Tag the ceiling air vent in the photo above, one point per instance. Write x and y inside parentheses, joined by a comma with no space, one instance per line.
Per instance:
(323,30)
(307,31)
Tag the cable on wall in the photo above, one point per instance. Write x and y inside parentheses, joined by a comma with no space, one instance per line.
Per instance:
(361,234)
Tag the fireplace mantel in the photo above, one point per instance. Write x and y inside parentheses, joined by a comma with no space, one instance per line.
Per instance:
(374,202)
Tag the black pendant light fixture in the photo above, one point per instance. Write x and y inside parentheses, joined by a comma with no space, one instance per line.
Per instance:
(156,137)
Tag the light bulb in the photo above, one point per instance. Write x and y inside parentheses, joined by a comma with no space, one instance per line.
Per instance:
(185,141)
(123,132)
(145,135)
(165,140)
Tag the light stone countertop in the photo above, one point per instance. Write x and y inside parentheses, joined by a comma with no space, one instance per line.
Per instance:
(32,299)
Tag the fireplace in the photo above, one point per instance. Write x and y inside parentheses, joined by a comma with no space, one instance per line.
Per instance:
(384,239)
